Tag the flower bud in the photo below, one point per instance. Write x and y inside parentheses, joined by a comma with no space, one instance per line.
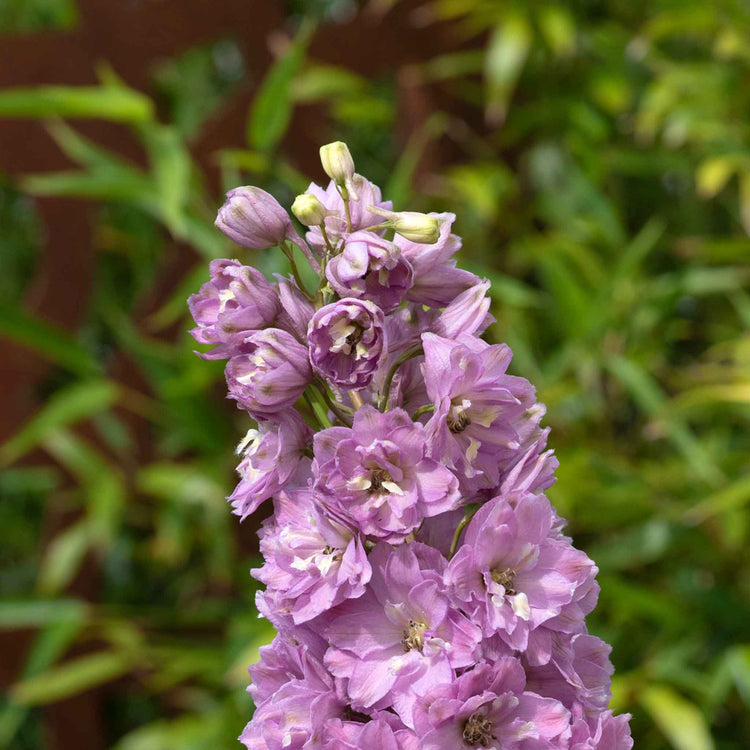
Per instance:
(339,166)
(309,210)
(468,314)
(253,218)
(417,227)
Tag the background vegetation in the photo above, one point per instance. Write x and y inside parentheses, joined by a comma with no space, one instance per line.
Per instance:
(596,154)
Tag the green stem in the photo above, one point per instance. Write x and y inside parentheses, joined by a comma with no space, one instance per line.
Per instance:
(318,409)
(426,409)
(385,394)
(338,409)
(356,399)
(289,252)
(462,524)
(326,239)
(344,193)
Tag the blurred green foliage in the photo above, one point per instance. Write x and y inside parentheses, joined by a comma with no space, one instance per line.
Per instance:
(602,185)
(24,16)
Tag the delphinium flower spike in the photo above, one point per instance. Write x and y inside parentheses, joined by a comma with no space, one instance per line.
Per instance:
(422,588)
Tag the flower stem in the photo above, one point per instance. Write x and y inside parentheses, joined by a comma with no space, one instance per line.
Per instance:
(318,409)
(344,193)
(289,252)
(462,524)
(385,393)
(338,409)
(426,409)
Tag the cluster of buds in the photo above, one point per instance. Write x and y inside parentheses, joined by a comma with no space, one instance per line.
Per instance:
(423,590)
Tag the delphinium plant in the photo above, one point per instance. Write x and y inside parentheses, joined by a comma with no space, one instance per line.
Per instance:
(423,589)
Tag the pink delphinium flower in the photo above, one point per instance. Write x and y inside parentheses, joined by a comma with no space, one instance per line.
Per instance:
(236,301)
(312,562)
(422,586)
(403,634)
(348,342)
(377,475)
(488,707)
(270,375)
(370,267)
(271,456)
(512,577)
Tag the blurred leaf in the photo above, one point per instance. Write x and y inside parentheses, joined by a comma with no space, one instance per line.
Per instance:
(507,289)
(72,678)
(171,166)
(640,246)
(727,499)
(51,342)
(506,55)
(321,82)
(114,184)
(23,16)
(80,149)
(272,106)
(20,242)
(400,180)
(636,547)
(55,637)
(40,612)
(62,558)
(442,67)
(82,102)
(103,483)
(681,721)
(558,28)
(713,175)
(197,82)
(646,392)
(28,479)
(204,732)
(79,401)
(182,483)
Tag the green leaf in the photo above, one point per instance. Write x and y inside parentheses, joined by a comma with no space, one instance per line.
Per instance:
(171,167)
(272,108)
(713,174)
(51,342)
(62,558)
(79,401)
(322,82)
(115,184)
(84,102)
(37,613)
(81,149)
(649,397)
(730,498)
(680,720)
(48,646)
(558,28)
(72,678)
(399,183)
(103,483)
(506,55)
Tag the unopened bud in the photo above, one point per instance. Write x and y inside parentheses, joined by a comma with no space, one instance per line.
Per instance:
(253,218)
(309,210)
(339,166)
(412,225)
